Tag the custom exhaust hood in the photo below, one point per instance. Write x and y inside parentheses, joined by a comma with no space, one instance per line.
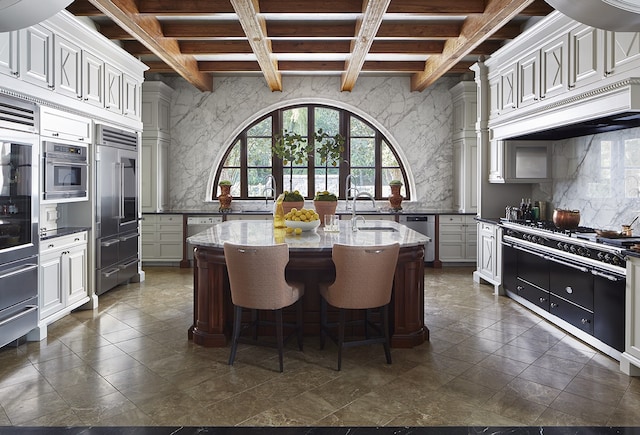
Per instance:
(613,107)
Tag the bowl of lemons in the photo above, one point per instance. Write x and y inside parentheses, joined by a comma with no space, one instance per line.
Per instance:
(301,220)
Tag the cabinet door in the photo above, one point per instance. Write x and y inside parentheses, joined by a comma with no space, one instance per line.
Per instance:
(163,173)
(508,88)
(92,79)
(496,161)
(113,89)
(51,298)
(63,125)
(130,97)
(586,56)
(529,79)
(9,53)
(76,264)
(487,252)
(36,54)
(623,51)
(67,58)
(609,311)
(554,66)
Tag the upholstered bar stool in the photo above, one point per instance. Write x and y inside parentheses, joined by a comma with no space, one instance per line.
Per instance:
(257,281)
(364,280)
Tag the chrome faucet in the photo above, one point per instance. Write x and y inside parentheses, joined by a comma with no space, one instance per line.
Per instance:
(348,190)
(271,190)
(354,218)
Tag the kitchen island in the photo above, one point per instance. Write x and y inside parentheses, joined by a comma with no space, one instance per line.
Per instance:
(309,262)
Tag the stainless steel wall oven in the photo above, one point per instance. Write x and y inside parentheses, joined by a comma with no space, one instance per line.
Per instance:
(116,207)
(65,171)
(19,150)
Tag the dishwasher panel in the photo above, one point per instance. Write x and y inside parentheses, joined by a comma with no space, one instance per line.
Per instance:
(424,224)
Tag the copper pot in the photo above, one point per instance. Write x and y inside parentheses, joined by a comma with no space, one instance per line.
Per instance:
(566,219)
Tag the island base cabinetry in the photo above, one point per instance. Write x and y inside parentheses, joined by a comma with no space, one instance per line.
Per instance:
(213,310)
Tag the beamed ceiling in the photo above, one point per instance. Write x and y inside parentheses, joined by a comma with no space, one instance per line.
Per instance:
(420,39)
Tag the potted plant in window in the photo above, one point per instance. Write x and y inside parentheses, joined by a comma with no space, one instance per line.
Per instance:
(225,196)
(325,203)
(292,200)
(291,148)
(395,199)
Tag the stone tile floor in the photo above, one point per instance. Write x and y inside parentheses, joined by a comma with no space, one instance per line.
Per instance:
(490,362)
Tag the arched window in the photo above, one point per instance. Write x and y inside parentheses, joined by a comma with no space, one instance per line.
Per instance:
(368,156)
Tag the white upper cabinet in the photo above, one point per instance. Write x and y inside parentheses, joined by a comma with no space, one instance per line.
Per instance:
(508,87)
(67,67)
(529,79)
(130,96)
(113,88)
(9,53)
(623,49)
(554,66)
(92,79)
(36,61)
(587,56)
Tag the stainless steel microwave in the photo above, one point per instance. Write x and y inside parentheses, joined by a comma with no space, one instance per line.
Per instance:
(65,172)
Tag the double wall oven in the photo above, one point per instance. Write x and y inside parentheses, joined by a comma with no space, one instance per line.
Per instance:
(19,150)
(116,207)
(573,278)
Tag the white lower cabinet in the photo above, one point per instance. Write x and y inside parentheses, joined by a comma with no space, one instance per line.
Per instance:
(162,237)
(489,262)
(63,276)
(457,238)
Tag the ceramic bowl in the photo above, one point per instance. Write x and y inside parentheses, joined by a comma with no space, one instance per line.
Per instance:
(304,226)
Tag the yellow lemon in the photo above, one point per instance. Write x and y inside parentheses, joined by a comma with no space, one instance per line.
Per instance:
(298,231)
(293,210)
(289,230)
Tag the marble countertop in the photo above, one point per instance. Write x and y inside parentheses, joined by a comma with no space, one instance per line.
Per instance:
(339,211)
(262,233)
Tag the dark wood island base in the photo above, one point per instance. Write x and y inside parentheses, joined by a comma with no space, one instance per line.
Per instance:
(213,310)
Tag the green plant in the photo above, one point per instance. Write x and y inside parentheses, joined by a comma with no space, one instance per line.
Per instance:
(395,183)
(329,148)
(294,148)
(224,183)
(294,196)
(325,196)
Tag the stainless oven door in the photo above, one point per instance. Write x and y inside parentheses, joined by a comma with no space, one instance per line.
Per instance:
(65,172)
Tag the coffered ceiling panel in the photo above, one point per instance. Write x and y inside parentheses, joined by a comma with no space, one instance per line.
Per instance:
(419,39)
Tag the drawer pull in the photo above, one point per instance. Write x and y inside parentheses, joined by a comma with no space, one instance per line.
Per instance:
(27,310)
(26,268)
(543,300)
(585,321)
(554,305)
(520,288)
(569,289)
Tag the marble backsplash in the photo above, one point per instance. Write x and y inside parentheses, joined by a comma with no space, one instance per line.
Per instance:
(418,124)
(599,175)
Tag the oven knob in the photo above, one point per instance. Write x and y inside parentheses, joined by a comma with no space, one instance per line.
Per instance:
(600,256)
(559,245)
(573,249)
(607,258)
(566,247)
(616,260)
(534,239)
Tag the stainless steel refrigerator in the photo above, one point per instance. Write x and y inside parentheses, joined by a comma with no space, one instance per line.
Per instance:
(116,184)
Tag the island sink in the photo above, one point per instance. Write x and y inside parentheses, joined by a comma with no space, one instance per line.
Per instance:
(377,229)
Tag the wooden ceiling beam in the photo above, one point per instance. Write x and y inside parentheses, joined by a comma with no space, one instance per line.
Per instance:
(437,7)
(184,7)
(311,29)
(215,47)
(255,29)
(420,29)
(475,30)
(82,8)
(391,66)
(228,66)
(202,29)
(407,46)
(367,28)
(311,7)
(311,66)
(307,46)
(148,31)
(539,8)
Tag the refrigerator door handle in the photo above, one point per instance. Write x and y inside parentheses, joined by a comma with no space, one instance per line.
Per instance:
(120,187)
